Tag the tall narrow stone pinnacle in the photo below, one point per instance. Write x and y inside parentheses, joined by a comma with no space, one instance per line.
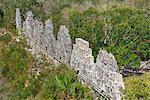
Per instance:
(18,20)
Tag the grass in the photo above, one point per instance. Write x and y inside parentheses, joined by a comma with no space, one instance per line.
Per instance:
(21,82)
(53,83)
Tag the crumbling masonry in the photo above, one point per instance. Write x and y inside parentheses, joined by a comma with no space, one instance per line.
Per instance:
(102,75)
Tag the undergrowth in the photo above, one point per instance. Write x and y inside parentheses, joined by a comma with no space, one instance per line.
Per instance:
(137,87)
(21,82)
(121,31)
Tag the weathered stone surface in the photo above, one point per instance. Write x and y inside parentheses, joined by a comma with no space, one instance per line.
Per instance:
(108,59)
(81,43)
(145,64)
(64,45)
(81,54)
(102,74)
(28,25)
(18,20)
(49,37)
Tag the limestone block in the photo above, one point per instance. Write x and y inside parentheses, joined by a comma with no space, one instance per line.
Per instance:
(51,41)
(48,31)
(40,32)
(82,43)
(24,28)
(64,44)
(88,52)
(18,20)
(107,59)
(29,24)
(36,31)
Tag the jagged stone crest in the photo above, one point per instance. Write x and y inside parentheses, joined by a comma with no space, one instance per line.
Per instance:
(103,74)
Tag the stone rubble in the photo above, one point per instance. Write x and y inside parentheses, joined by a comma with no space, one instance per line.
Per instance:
(145,65)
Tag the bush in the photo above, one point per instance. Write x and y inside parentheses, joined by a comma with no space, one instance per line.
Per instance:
(88,26)
(137,87)
(14,60)
(65,86)
(14,63)
(129,26)
(16,67)
(25,87)
(121,31)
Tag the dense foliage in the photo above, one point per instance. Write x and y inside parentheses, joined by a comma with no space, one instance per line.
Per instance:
(137,87)
(65,86)
(14,63)
(55,9)
(8,8)
(22,82)
(121,31)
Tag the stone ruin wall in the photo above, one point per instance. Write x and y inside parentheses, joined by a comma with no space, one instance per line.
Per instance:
(102,74)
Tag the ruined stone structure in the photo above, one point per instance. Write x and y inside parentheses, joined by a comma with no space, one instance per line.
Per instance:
(102,75)
(18,19)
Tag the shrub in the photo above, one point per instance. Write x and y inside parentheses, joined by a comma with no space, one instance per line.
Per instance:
(14,60)
(129,28)
(88,26)
(56,83)
(121,31)
(25,86)
(65,86)
(137,87)
(14,63)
